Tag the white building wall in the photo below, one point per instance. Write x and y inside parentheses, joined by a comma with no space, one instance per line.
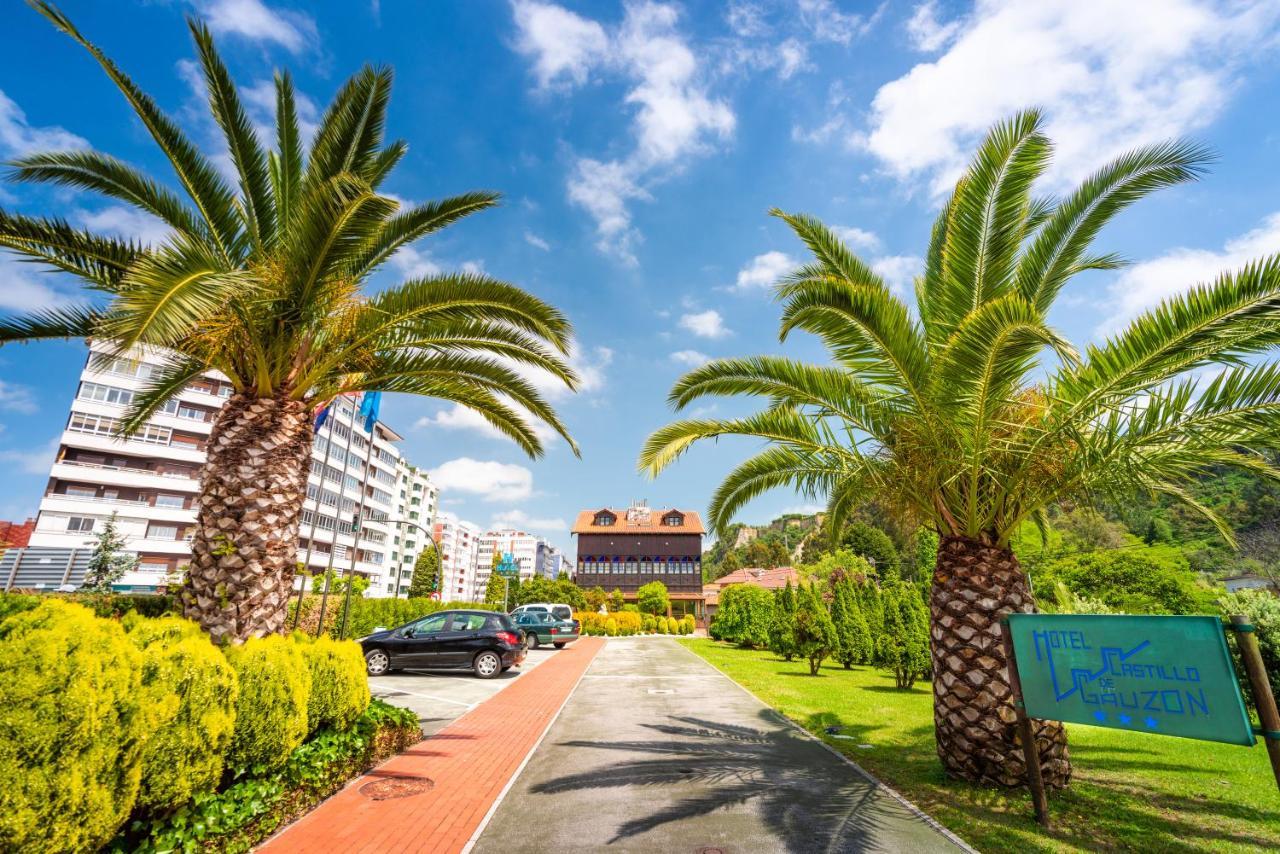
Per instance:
(458,542)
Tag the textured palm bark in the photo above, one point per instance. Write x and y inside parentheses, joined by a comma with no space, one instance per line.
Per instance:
(245,550)
(974,586)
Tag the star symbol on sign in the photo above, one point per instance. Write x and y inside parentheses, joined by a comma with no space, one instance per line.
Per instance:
(1124,719)
(1100,716)
(1150,722)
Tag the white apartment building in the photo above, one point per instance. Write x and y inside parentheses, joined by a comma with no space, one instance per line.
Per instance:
(150,480)
(529,551)
(458,542)
(416,504)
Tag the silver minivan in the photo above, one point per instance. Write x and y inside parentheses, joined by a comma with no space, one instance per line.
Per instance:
(559,610)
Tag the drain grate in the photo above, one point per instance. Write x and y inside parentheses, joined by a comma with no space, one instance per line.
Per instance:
(396,787)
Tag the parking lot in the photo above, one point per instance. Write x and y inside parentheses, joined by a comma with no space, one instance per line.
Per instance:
(438,697)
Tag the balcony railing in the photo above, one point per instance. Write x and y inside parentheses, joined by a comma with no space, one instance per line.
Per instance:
(102,500)
(125,469)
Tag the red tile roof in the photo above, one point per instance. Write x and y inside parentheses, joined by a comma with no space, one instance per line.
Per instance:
(769,579)
(636,524)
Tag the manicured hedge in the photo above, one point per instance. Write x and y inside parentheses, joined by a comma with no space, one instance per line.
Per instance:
(339,687)
(271,710)
(367,614)
(190,696)
(73,726)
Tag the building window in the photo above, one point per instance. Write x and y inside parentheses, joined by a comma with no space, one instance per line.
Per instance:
(154,567)
(80,524)
(162,532)
(673,520)
(605,519)
(166,500)
(105,393)
(82,491)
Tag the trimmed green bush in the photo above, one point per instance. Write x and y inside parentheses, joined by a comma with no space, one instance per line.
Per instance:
(190,698)
(72,728)
(690,623)
(744,616)
(271,711)
(611,627)
(339,686)
(14,603)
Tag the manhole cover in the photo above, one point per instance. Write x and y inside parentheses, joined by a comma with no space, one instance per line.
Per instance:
(396,787)
(710,850)
(662,690)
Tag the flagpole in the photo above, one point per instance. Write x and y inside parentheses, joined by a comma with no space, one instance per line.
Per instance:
(315,517)
(368,462)
(333,549)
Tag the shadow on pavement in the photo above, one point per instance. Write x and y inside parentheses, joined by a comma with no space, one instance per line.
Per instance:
(779,771)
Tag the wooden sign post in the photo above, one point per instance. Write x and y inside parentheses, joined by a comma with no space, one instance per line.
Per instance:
(1026,734)
(1265,701)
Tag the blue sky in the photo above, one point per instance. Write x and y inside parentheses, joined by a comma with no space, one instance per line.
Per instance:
(639,146)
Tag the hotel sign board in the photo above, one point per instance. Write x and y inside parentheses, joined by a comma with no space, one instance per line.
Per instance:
(1162,675)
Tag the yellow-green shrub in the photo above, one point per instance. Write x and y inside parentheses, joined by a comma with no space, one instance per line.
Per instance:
(271,711)
(611,627)
(189,693)
(72,726)
(339,686)
(628,622)
(689,624)
(648,623)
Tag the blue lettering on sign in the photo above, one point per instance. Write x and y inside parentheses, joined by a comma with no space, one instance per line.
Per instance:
(1098,687)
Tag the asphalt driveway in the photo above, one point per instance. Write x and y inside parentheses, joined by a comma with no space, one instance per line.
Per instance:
(656,751)
(437,697)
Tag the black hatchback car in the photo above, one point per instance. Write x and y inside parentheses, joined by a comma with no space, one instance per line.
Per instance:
(483,642)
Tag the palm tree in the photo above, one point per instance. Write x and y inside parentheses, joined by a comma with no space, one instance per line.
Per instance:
(971,415)
(264,284)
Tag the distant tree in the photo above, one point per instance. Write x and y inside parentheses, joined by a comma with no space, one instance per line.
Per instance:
(426,574)
(536,589)
(1155,580)
(1158,531)
(924,551)
(731,563)
(873,544)
(616,600)
(758,554)
(904,642)
(500,592)
(107,563)
(596,597)
(833,566)
(1085,529)
(854,636)
(782,631)
(653,599)
(562,576)
(815,632)
(744,615)
(338,583)
(779,554)
(570,594)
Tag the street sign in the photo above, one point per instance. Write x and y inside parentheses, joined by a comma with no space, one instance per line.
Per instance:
(1162,675)
(508,566)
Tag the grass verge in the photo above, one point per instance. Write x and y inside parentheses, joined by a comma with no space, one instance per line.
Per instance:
(1130,791)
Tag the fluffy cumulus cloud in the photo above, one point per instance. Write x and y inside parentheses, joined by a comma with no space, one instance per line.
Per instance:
(1145,285)
(23,287)
(530,524)
(1109,76)
(705,324)
(33,461)
(674,117)
(488,480)
(536,242)
(18,137)
(690,358)
(129,223)
(460,418)
(17,398)
(256,21)
(764,271)
(898,271)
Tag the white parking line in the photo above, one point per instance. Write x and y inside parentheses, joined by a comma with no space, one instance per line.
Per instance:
(653,676)
(394,691)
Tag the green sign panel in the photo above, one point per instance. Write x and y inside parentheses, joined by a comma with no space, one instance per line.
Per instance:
(507,565)
(1163,675)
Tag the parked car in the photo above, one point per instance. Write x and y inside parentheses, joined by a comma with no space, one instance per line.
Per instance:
(541,627)
(559,609)
(484,642)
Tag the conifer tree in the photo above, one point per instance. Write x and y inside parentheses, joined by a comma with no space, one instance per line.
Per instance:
(851,627)
(782,631)
(904,643)
(815,633)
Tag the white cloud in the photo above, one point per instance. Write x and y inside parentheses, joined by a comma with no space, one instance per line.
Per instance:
(459,417)
(536,242)
(1145,285)
(827,23)
(793,56)
(415,263)
(260,102)
(129,223)
(927,33)
(17,138)
(523,521)
(564,46)
(674,117)
(254,20)
(23,288)
(857,238)
(17,398)
(35,461)
(1109,76)
(764,271)
(690,358)
(898,271)
(487,479)
(705,324)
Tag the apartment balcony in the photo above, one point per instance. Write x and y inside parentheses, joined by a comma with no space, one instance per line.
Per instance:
(84,506)
(94,442)
(145,545)
(122,476)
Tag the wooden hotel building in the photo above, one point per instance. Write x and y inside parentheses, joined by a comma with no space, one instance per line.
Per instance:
(624,549)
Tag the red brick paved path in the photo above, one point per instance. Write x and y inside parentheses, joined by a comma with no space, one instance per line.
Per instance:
(470,761)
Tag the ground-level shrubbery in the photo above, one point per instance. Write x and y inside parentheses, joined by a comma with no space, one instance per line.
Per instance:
(366,614)
(628,623)
(142,731)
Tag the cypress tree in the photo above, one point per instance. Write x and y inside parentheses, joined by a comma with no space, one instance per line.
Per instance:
(782,631)
(815,633)
(851,627)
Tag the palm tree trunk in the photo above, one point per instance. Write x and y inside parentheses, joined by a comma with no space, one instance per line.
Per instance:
(245,550)
(974,585)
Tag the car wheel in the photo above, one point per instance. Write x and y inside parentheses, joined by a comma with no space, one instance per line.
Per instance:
(560,644)
(377,663)
(534,642)
(487,665)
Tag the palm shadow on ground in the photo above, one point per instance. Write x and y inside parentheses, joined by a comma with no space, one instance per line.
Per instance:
(722,766)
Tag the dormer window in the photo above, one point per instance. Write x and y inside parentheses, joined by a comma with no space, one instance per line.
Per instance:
(673,520)
(604,520)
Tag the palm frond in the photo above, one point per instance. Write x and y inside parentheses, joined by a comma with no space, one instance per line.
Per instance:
(72,321)
(417,222)
(287,160)
(100,261)
(167,381)
(351,129)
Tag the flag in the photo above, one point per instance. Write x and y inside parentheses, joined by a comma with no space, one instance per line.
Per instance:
(322,414)
(369,409)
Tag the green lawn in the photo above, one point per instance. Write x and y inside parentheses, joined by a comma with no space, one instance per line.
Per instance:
(1130,791)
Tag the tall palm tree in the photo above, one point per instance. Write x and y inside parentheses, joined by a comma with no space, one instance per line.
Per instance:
(264,284)
(972,415)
